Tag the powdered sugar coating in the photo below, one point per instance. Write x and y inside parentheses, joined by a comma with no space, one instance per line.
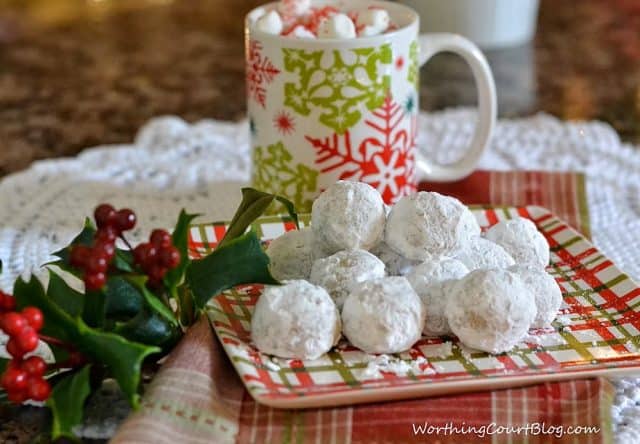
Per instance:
(383,315)
(429,224)
(490,310)
(429,280)
(292,254)
(522,240)
(396,264)
(546,292)
(297,320)
(480,253)
(341,272)
(348,216)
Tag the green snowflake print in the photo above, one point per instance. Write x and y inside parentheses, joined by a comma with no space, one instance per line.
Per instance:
(274,172)
(341,84)
(413,75)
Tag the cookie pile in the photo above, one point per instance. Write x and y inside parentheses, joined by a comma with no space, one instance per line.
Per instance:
(386,276)
(298,19)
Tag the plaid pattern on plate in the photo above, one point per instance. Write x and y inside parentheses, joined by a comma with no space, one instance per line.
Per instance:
(597,333)
(197,396)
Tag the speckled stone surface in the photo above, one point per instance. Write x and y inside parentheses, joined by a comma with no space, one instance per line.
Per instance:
(77,73)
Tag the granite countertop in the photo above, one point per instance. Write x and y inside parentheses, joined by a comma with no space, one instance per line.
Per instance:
(77,73)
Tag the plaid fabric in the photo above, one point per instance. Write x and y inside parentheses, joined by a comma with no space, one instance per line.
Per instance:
(197,396)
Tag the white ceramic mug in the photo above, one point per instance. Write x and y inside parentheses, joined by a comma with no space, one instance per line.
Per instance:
(324,110)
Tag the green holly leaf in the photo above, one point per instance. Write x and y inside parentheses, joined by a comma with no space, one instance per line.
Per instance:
(123,260)
(149,327)
(254,204)
(3,364)
(68,299)
(123,300)
(180,238)
(67,403)
(121,357)
(239,261)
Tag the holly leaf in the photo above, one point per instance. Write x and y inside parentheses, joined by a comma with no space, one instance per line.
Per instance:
(240,261)
(254,204)
(139,282)
(123,300)
(121,357)
(68,299)
(67,403)
(123,260)
(3,364)
(149,327)
(180,239)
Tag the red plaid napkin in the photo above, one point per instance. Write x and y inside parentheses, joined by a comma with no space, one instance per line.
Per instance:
(198,398)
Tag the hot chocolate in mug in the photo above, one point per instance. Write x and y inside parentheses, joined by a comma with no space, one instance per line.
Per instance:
(322,110)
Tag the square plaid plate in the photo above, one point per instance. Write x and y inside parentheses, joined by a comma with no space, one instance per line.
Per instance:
(597,333)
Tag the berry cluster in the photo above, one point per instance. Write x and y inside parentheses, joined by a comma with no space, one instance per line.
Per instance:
(94,261)
(24,378)
(157,256)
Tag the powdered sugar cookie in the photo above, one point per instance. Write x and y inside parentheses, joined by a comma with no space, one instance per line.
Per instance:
(292,254)
(522,240)
(546,292)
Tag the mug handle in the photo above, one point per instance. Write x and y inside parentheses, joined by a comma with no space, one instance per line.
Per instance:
(431,44)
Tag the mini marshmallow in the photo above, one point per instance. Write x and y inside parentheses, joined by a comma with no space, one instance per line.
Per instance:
(270,23)
(301,32)
(372,22)
(293,7)
(338,26)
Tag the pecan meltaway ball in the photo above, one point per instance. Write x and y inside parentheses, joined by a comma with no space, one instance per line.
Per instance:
(396,264)
(339,273)
(292,254)
(429,224)
(297,320)
(348,216)
(383,315)
(431,281)
(522,240)
(490,310)
(479,253)
(546,292)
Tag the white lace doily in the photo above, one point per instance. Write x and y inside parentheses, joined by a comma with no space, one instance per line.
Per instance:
(200,167)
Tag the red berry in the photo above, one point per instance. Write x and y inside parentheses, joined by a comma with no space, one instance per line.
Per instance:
(7,302)
(79,256)
(160,238)
(156,273)
(76,359)
(169,257)
(34,366)
(104,215)
(97,263)
(95,281)
(13,323)
(34,317)
(14,379)
(145,254)
(106,234)
(106,249)
(38,389)
(14,349)
(27,339)
(17,397)
(125,219)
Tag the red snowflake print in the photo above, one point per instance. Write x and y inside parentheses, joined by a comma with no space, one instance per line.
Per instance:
(399,63)
(385,159)
(260,72)
(284,123)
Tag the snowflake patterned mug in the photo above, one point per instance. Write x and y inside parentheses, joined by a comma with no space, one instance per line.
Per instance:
(322,110)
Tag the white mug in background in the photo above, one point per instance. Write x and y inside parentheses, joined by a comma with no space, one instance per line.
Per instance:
(323,110)
(491,24)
